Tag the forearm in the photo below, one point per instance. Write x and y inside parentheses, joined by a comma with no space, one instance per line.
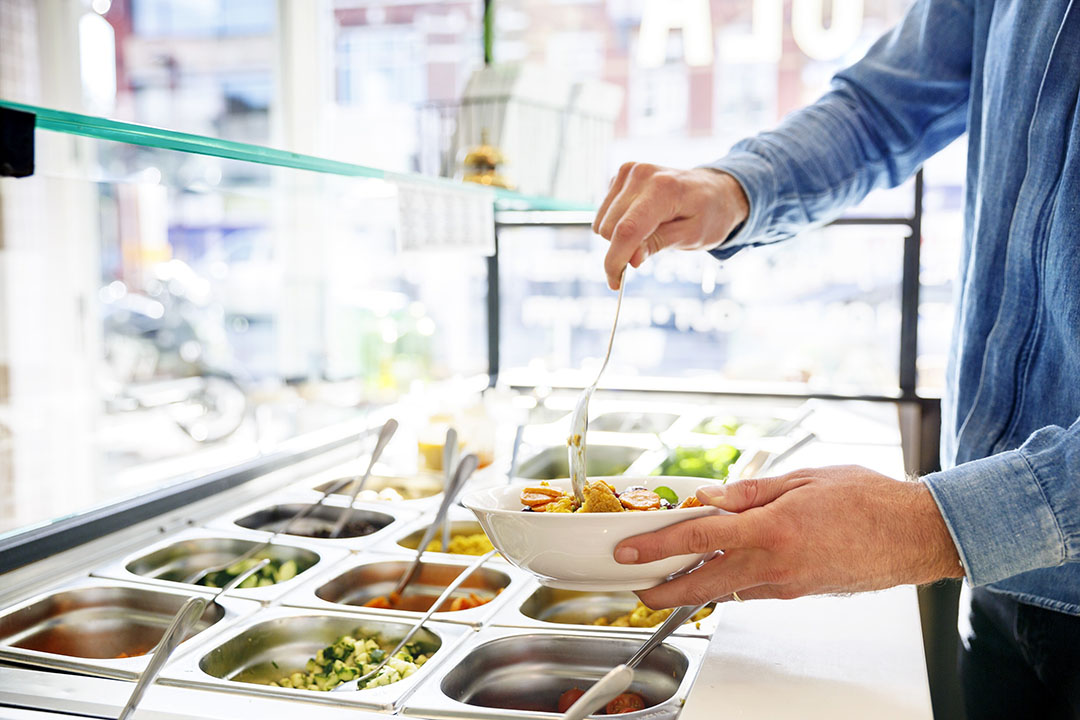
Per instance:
(900,104)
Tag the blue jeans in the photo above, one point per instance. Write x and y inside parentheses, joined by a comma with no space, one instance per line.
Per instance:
(1020,661)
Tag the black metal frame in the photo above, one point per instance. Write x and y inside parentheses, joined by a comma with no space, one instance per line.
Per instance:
(907,382)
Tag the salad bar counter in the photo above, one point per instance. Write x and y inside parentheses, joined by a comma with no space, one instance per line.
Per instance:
(78,628)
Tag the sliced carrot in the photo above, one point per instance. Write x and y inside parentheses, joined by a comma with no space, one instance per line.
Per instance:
(691,501)
(640,500)
(535,496)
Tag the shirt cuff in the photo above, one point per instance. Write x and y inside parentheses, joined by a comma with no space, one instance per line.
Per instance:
(998,516)
(758,181)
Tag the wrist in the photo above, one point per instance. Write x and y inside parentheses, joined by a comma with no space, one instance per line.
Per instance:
(732,197)
(938,556)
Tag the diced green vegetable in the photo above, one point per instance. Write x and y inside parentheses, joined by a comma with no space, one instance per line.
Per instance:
(347,658)
(287,571)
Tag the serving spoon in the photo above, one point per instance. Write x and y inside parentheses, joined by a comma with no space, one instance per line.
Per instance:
(450,453)
(579,421)
(463,472)
(619,677)
(385,434)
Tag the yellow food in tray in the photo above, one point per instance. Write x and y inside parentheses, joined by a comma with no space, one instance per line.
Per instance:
(643,616)
(474,544)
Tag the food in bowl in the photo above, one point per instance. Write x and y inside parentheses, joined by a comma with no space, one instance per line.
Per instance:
(579,555)
(601,496)
(713,463)
(348,658)
(642,616)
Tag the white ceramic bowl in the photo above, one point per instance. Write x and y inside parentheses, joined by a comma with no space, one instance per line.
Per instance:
(573,551)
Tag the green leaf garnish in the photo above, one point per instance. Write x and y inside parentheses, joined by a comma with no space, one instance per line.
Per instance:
(667,494)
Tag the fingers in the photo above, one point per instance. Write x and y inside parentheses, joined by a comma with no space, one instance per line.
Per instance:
(690,537)
(745,494)
(639,224)
(614,188)
(715,580)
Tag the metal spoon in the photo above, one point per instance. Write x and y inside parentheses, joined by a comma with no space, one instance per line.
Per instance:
(355,684)
(450,451)
(194,578)
(619,678)
(514,453)
(579,421)
(464,471)
(185,618)
(385,434)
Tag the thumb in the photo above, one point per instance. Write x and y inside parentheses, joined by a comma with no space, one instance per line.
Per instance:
(742,495)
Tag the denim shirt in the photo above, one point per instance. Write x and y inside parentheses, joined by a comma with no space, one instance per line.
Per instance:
(1008,73)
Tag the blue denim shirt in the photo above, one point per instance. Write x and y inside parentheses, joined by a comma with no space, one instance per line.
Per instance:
(1008,73)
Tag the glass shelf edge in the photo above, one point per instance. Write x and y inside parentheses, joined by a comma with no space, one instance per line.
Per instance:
(149,136)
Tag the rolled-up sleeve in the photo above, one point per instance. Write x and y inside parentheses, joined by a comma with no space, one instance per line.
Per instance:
(1015,511)
(904,101)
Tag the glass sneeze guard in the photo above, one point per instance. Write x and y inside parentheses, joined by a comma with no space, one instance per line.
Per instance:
(175,304)
(148,136)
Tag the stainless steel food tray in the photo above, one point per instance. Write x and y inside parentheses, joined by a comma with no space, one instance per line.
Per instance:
(371,574)
(507,666)
(289,636)
(274,510)
(540,607)
(92,616)
(196,548)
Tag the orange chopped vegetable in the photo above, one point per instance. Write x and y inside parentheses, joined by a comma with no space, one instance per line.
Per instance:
(640,500)
(690,502)
(535,496)
(384,602)
(467,603)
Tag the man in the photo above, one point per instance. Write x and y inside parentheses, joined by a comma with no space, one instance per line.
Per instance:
(1005,511)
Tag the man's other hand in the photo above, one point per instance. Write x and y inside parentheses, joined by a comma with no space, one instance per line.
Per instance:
(827,530)
(649,208)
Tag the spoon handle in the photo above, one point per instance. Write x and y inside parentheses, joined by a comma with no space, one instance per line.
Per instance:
(614,324)
(185,618)
(464,470)
(450,451)
(673,622)
(385,434)
(604,691)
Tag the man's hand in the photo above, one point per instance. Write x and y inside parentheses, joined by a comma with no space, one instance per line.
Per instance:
(827,530)
(649,208)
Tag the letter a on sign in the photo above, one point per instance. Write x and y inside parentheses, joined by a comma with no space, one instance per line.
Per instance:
(660,17)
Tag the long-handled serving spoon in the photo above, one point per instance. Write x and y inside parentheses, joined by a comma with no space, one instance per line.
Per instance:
(579,421)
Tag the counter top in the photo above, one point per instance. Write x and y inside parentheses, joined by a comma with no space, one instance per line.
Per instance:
(853,657)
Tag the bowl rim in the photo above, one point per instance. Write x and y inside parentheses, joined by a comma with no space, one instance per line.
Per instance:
(469,501)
